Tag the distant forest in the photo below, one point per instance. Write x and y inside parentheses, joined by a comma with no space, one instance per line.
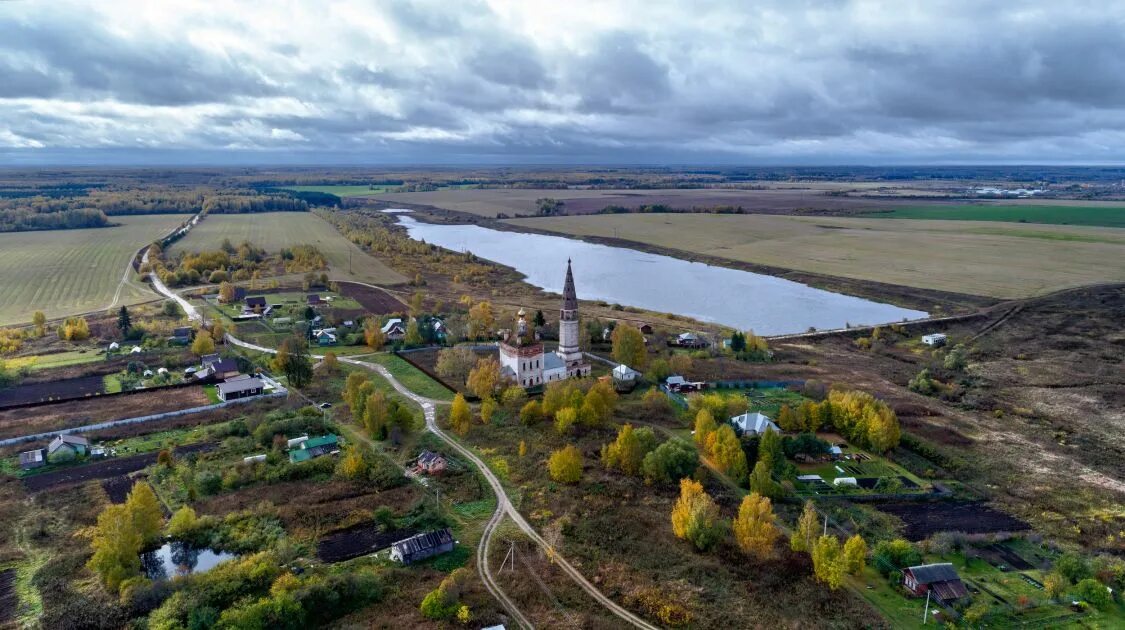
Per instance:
(66,208)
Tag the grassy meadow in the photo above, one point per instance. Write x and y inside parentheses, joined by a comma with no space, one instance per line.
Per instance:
(65,272)
(275,230)
(1099,215)
(1003,260)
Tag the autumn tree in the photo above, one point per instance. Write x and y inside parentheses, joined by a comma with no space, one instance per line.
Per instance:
(375,415)
(487,410)
(761,480)
(531,413)
(183,523)
(373,335)
(788,420)
(460,416)
(672,460)
(855,555)
(598,404)
(484,380)
(353,465)
(655,403)
(827,561)
(704,427)
(330,363)
(74,329)
(514,397)
(455,363)
(351,389)
(565,465)
(117,546)
(806,532)
(218,333)
(416,301)
(413,333)
(40,322)
(227,293)
(145,512)
(565,420)
(726,453)
(695,516)
(771,449)
(203,344)
(680,364)
(629,347)
(754,528)
(293,360)
(628,451)
(481,320)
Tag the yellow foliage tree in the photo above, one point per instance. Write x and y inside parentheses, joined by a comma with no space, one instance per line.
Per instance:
(565,465)
(726,453)
(373,335)
(40,322)
(695,516)
(117,546)
(827,563)
(629,346)
(330,363)
(487,410)
(804,536)
(145,512)
(704,427)
(481,320)
(203,344)
(460,416)
(754,529)
(353,465)
(484,379)
(227,292)
(565,419)
(855,555)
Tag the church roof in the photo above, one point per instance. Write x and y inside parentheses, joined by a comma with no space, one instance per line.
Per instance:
(570,298)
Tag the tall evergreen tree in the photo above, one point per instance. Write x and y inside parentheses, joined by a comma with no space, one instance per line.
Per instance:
(124,322)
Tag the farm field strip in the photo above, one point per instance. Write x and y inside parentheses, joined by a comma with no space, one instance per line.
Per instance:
(67,272)
(1005,260)
(1041,213)
(276,230)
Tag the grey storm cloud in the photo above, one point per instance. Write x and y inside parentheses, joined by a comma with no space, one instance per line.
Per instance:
(628,80)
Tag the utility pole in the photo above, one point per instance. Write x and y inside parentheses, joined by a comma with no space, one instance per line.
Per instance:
(511,554)
(926,612)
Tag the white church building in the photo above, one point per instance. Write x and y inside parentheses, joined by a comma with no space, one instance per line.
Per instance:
(522,358)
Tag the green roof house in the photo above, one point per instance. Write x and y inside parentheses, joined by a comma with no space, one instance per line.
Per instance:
(315,447)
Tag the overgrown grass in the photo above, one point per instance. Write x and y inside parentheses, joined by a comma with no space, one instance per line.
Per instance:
(410,376)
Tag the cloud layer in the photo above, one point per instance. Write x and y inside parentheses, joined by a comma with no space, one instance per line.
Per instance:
(515,81)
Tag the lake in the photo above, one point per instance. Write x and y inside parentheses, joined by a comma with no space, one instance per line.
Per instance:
(740,299)
(177,559)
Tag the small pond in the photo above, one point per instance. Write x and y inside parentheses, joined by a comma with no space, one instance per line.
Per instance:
(618,275)
(176,559)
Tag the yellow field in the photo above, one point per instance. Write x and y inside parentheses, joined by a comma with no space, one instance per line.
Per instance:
(65,272)
(1006,260)
(275,230)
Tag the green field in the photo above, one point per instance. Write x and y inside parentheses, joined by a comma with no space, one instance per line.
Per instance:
(1104,216)
(66,272)
(339,191)
(411,377)
(1004,260)
(275,230)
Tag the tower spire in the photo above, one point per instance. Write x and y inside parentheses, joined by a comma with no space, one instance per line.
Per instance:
(570,297)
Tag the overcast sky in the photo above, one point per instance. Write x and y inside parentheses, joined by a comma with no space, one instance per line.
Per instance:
(459,81)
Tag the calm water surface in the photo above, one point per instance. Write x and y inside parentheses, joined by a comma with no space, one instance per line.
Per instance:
(177,559)
(741,299)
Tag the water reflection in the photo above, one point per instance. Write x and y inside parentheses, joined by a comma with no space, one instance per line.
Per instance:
(176,559)
(768,305)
